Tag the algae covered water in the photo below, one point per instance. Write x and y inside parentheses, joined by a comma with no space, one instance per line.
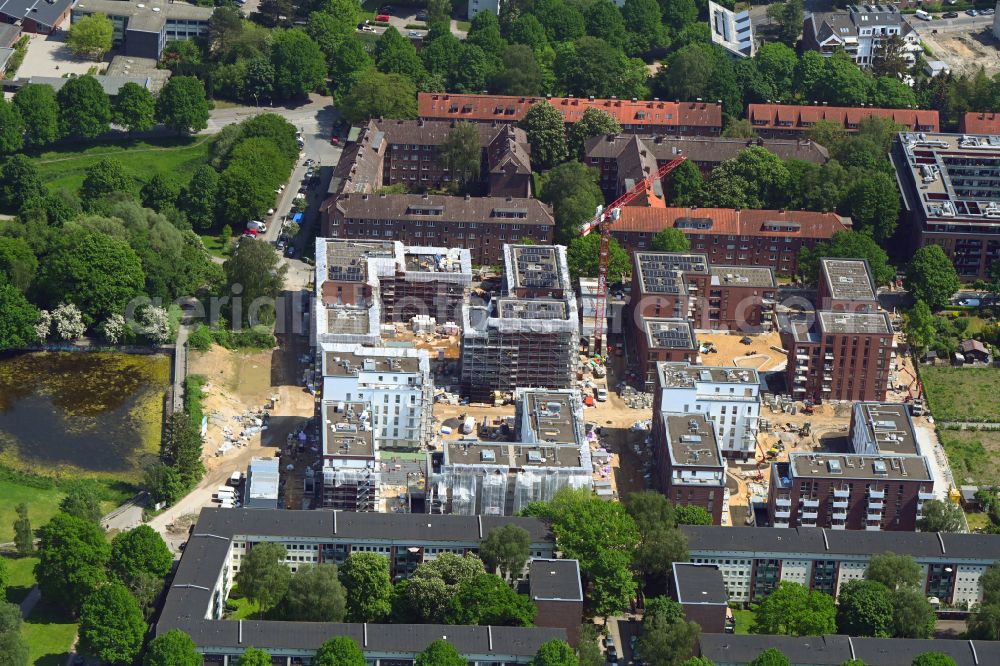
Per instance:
(92,414)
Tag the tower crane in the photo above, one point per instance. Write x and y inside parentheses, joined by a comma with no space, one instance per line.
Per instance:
(603,219)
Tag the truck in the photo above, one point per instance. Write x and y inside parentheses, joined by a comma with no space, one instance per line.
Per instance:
(922,15)
(257,226)
(235,478)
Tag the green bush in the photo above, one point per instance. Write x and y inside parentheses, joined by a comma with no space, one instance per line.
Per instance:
(201,338)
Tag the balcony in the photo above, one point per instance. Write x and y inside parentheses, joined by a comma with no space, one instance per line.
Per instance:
(781,523)
(839,515)
(874,516)
(827,378)
(841,492)
(809,515)
(873,528)
(810,503)
(799,389)
(838,504)
(876,494)
(828,357)
(783,501)
(782,514)
(924,496)
(802,356)
(838,526)
(876,506)
(827,389)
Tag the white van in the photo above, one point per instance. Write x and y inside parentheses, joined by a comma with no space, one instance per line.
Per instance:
(922,15)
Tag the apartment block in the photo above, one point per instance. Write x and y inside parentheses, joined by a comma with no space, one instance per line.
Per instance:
(350,476)
(728,397)
(547,451)
(951,196)
(701,592)
(555,588)
(729,237)
(734,298)
(221,539)
(527,336)
(142,29)
(361,285)
(661,339)
(791,120)
(978,122)
(634,116)
(754,560)
(860,31)
(846,285)
(481,224)
(625,159)
(689,461)
(394,381)
(33,16)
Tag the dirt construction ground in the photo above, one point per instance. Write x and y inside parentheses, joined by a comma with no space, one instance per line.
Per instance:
(965,52)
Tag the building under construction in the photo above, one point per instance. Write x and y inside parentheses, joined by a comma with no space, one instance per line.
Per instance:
(550,451)
(363,284)
(527,337)
(349,476)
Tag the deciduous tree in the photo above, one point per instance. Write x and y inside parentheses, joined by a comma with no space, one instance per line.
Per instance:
(159,193)
(933,659)
(671,240)
(339,651)
(174,648)
(84,108)
(488,600)
(369,588)
(182,105)
(864,609)
(72,555)
(83,500)
(299,64)
(91,36)
(583,256)
(225,25)
(912,614)
(506,549)
(932,278)
(519,74)
(17,326)
(795,610)
(376,95)
(19,182)
(11,128)
(263,576)
(667,638)
(544,126)
(24,536)
(440,653)
(430,590)
(40,112)
(102,179)
(873,204)
(111,626)
(895,571)
(316,595)
(199,199)
(594,122)
(461,151)
(256,267)
(139,550)
(555,653)
(770,657)
(134,108)
(254,657)
(788,15)
(845,245)
(394,54)
(684,185)
(939,516)
(572,191)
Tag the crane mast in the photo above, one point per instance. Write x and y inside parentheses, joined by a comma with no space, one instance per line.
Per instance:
(603,219)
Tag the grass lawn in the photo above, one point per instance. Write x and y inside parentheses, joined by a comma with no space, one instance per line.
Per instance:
(22,577)
(175,158)
(245,609)
(42,505)
(962,394)
(977,521)
(972,455)
(49,636)
(217,246)
(744,619)
(463,25)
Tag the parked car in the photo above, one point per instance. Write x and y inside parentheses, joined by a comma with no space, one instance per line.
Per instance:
(972,12)
(987,12)
(970,302)
(421,16)
(602,395)
(335,141)
(413,33)
(290,252)
(949,15)
(382,18)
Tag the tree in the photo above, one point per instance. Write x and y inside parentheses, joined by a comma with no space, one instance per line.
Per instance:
(24,536)
(159,193)
(506,549)
(395,54)
(583,256)
(544,126)
(133,108)
(182,105)
(795,610)
(224,26)
(263,576)
(11,128)
(520,73)
(847,245)
(257,268)
(39,111)
(428,594)
(299,64)
(931,277)
(17,326)
(484,32)
(763,180)
(91,36)
(660,542)
(699,70)
(339,651)
(316,595)
(20,182)
(140,550)
(864,609)
(873,204)
(671,240)
(605,21)
(934,659)
(841,82)
(683,185)
(587,649)
(163,483)
(895,571)
(789,16)
(111,625)
(461,151)
(562,22)
(941,516)
(72,554)
(254,657)
(555,653)
(644,27)
(984,623)
(83,500)
(990,582)
(369,588)
(702,661)
(889,58)
(440,653)
(571,189)
(373,94)
(667,638)
(104,178)
(591,66)
(594,122)
(199,198)
(488,600)
(770,657)
(84,108)
(181,448)
(13,647)
(174,648)
(244,193)
(912,615)
(277,12)
(18,264)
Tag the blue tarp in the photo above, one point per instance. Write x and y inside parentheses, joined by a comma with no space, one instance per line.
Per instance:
(297,217)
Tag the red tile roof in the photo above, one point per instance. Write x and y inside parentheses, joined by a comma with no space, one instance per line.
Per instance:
(777,223)
(511,108)
(974,122)
(767,116)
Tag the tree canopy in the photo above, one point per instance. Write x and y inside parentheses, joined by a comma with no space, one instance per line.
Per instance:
(339,651)
(940,516)
(182,105)
(895,571)
(931,277)
(112,627)
(315,594)
(440,653)
(555,653)
(506,549)
(372,94)
(594,122)
(845,245)
(263,576)
(544,126)
(369,588)
(865,609)
(583,257)
(84,109)
(795,610)
(90,36)
(174,648)
(39,111)
(72,554)
(667,638)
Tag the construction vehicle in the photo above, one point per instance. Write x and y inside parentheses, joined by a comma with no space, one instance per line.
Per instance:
(603,219)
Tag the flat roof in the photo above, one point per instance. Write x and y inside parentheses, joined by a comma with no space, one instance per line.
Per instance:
(888,425)
(847,279)
(262,481)
(509,307)
(554,580)
(699,584)
(681,375)
(346,260)
(157,9)
(854,322)
(513,455)
(534,267)
(856,466)
(669,333)
(347,430)
(691,441)
(663,272)
(344,363)
(743,276)
(550,416)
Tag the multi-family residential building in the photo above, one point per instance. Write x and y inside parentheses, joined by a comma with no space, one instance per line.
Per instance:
(35,16)
(481,224)
(730,237)
(362,284)
(142,29)
(729,397)
(350,476)
(791,120)
(701,592)
(731,30)
(951,196)
(845,285)
(661,339)
(555,588)
(221,538)
(689,461)
(646,116)
(625,159)
(735,298)
(529,335)
(860,31)
(754,560)
(978,122)
(395,382)
(548,451)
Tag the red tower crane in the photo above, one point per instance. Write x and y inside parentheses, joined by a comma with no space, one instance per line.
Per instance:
(603,219)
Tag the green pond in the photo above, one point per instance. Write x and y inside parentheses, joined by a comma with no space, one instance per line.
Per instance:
(80,413)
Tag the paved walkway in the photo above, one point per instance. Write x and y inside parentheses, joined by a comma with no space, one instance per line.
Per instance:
(180,367)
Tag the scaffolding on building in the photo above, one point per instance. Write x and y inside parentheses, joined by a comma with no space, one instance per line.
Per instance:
(541,485)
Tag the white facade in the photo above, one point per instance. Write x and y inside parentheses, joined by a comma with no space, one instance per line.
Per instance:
(729,397)
(860,32)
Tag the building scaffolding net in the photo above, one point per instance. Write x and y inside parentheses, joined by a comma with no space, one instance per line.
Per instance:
(542,485)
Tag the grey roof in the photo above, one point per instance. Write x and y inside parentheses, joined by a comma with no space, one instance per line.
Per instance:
(41,11)
(848,279)
(699,584)
(442,209)
(9,34)
(831,650)
(851,543)
(110,84)
(555,580)
(705,149)
(5,55)
(147,13)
